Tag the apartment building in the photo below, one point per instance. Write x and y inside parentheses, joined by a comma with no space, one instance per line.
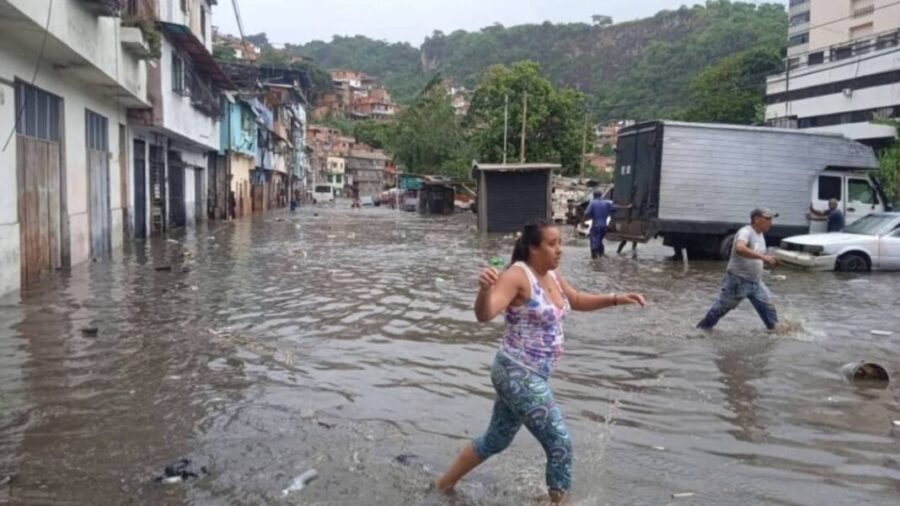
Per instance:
(842,73)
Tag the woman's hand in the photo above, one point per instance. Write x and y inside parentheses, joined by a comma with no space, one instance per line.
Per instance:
(488,278)
(625,299)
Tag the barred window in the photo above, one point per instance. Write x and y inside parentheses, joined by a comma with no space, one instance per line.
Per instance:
(37,112)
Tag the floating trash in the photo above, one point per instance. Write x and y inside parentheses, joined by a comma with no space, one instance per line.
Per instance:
(866,374)
(300,482)
(90,331)
(681,495)
(659,448)
(779,277)
(882,333)
(179,471)
(896,423)
(164,268)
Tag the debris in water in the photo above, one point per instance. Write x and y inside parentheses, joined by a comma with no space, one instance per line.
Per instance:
(405,459)
(300,482)
(440,281)
(332,236)
(180,470)
(896,423)
(194,288)
(90,331)
(779,277)
(173,241)
(680,495)
(279,219)
(882,333)
(164,268)
(497,262)
(326,425)
(185,269)
(659,448)
(6,480)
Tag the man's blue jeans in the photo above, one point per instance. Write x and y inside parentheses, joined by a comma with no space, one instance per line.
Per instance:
(597,236)
(734,290)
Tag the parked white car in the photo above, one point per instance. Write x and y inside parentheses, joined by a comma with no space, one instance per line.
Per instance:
(323,194)
(871,243)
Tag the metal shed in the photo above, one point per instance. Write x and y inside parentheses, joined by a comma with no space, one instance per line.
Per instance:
(511,195)
(437,196)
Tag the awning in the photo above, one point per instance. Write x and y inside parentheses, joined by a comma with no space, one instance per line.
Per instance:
(184,39)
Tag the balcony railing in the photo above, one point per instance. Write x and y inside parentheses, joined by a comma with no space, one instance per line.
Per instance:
(850,49)
(112,8)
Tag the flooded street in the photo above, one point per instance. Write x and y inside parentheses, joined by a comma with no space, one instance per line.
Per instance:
(345,342)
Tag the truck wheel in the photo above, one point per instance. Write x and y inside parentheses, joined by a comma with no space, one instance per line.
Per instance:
(726,246)
(853,262)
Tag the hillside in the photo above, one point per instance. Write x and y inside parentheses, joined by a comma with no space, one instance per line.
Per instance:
(636,69)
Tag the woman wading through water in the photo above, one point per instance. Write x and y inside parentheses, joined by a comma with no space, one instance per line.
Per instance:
(535,299)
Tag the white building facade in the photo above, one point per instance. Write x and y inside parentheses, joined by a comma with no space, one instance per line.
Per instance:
(69,73)
(175,141)
(842,71)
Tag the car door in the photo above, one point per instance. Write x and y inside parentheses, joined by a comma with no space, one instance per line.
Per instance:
(889,250)
(861,199)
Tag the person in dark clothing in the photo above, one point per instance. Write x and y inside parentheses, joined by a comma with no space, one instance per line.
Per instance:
(834,216)
(232,206)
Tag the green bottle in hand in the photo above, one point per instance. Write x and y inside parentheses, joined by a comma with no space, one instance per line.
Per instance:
(497,263)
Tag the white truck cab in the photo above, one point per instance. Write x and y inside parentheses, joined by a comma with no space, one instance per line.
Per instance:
(857,195)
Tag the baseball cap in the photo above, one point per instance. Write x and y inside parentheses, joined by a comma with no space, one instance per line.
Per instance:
(763,212)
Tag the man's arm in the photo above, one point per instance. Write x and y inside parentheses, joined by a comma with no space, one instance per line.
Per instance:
(742,249)
(816,215)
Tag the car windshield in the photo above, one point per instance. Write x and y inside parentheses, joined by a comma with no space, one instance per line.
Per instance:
(323,189)
(872,224)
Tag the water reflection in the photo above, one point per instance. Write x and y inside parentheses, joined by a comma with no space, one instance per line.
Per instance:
(337,342)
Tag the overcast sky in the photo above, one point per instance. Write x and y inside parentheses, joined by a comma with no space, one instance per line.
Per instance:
(300,21)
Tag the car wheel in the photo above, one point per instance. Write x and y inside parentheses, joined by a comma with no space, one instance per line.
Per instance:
(853,262)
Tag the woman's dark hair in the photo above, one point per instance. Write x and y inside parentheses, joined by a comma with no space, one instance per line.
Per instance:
(532,235)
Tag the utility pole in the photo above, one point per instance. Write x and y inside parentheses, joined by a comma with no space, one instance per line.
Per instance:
(505,127)
(524,125)
(584,145)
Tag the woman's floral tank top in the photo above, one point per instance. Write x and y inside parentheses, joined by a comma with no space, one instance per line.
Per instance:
(534,330)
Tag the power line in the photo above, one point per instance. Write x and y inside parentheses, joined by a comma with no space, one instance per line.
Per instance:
(37,68)
(240,24)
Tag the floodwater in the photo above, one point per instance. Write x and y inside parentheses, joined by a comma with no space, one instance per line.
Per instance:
(344,340)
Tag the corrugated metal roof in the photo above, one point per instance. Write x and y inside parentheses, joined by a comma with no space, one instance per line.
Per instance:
(514,167)
(185,40)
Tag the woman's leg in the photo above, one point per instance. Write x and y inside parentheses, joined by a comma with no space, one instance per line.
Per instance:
(545,421)
(499,435)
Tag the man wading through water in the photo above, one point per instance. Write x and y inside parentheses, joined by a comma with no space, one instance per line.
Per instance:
(743,278)
(535,299)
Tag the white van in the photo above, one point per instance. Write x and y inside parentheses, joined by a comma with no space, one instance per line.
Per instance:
(323,194)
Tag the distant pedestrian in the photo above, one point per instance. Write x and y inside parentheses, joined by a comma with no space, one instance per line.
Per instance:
(743,279)
(598,211)
(232,206)
(834,216)
(535,300)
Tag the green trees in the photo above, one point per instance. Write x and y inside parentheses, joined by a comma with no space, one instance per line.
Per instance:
(889,166)
(732,90)
(428,137)
(554,121)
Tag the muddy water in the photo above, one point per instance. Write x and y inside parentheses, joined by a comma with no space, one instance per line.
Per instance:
(342,341)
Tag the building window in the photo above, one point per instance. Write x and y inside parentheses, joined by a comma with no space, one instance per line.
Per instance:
(799,19)
(862,8)
(815,58)
(184,6)
(37,113)
(794,3)
(799,39)
(97,131)
(180,80)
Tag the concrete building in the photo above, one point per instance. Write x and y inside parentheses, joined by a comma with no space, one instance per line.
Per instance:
(238,150)
(335,173)
(842,71)
(64,139)
(175,141)
(365,172)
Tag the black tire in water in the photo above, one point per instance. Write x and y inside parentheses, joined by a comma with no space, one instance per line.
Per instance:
(725,247)
(854,262)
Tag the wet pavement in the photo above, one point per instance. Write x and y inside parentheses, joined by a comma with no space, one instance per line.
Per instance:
(345,342)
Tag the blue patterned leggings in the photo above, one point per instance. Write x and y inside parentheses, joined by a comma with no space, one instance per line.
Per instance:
(525,397)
